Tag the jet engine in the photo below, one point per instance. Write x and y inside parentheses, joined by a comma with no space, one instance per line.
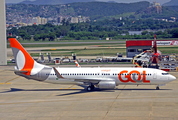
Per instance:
(107,84)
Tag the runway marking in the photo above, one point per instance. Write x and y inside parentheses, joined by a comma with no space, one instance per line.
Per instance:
(12,79)
(8,83)
(5,83)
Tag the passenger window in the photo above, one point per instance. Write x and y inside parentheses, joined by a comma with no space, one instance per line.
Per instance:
(165,73)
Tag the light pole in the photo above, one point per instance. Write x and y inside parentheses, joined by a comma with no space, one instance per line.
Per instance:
(3,42)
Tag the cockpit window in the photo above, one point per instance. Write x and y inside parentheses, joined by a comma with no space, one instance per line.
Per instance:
(165,73)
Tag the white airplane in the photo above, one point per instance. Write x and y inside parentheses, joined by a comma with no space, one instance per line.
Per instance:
(104,78)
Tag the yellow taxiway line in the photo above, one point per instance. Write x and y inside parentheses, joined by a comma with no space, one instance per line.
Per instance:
(5,83)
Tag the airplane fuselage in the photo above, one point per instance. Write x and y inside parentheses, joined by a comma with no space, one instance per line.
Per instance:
(121,76)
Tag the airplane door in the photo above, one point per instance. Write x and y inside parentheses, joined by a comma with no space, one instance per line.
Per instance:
(154,75)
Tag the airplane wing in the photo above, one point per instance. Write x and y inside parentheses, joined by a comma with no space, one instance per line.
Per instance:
(57,73)
(95,80)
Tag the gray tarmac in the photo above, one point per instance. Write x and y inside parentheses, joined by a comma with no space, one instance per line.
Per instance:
(22,99)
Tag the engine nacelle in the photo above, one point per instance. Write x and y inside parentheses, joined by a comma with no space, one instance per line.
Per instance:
(107,84)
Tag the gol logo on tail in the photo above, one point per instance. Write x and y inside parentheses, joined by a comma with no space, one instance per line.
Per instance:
(129,78)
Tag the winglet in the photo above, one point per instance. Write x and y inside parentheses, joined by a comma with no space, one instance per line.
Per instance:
(77,65)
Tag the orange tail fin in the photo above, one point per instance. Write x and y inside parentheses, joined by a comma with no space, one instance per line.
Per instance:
(23,60)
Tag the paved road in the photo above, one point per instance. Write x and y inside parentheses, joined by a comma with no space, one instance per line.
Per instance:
(22,99)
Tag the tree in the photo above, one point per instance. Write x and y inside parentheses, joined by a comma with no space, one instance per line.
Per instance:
(28,37)
(144,32)
(36,37)
(132,17)
(64,30)
(159,33)
(77,37)
(174,33)
(51,36)
(63,21)
(22,33)
(43,36)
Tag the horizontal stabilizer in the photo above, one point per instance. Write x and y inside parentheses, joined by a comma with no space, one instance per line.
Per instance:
(20,71)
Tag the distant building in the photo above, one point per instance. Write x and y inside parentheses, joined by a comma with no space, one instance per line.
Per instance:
(34,20)
(74,20)
(39,20)
(135,47)
(43,21)
(158,7)
(58,20)
(61,18)
(156,3)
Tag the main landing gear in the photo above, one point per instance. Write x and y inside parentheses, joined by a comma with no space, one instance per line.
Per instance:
(90,88)
(157,88)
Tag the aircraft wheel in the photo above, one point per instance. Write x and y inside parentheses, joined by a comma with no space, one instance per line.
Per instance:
(157,88)
(144,66)
(89,88)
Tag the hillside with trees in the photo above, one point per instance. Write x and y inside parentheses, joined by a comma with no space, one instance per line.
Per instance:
(90,9)
(87,31)
(52,2)
(171,3)
(94,10)
(151,12)
(107,9)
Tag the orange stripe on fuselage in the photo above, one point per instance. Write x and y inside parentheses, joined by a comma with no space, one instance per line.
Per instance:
(29,62)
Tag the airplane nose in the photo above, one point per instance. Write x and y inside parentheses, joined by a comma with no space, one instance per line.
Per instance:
(171,78)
